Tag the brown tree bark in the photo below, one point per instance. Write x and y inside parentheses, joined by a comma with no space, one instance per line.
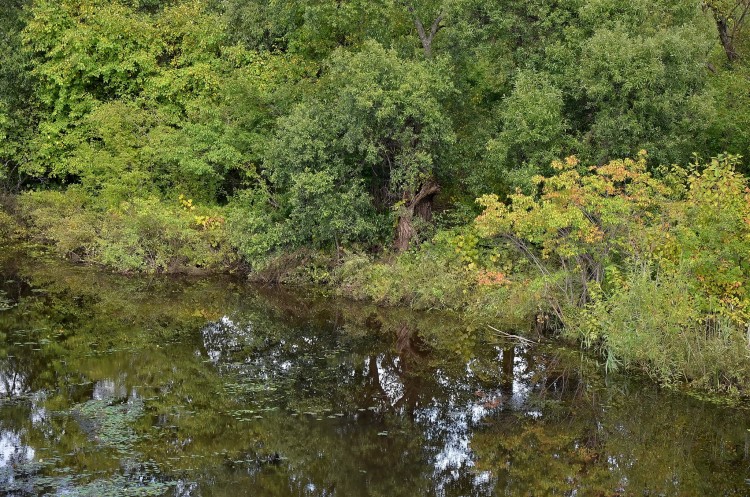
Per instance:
(420,205)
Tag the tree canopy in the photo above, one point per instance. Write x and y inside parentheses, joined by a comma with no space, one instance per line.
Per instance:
(342,122)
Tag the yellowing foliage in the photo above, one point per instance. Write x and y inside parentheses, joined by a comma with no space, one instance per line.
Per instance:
(630,259)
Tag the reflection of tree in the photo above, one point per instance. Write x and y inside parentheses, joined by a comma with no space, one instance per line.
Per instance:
(275,394)
(642,442)
(540,457)
(410,369)
(508,362)
(12,382)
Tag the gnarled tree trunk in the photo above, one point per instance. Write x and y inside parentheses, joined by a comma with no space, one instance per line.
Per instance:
(419,205)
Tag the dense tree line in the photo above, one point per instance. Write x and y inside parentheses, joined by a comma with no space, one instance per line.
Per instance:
(336,124)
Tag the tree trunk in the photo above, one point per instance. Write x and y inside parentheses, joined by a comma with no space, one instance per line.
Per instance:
(404,232)
(420,205)
(424,37)
(730,21)
(726,38)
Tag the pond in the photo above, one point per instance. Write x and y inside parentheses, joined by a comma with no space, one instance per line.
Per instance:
(156,386)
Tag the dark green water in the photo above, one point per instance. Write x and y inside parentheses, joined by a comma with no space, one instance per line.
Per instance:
(113,385)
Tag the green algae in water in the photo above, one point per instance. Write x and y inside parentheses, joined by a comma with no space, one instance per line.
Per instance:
(119,486)
(109,424)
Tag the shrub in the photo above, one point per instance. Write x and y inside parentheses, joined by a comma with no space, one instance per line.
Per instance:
(651,272)
(62,219)
(444,273)
(144,235)
(655,323)
(8,226)
(254,229)
(139,235)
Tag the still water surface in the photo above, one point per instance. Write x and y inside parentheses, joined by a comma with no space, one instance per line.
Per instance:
(113,385)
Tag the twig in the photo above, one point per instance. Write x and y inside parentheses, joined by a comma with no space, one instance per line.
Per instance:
(516,337)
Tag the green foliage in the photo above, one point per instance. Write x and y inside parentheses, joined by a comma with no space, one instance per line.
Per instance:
(85,53)
(641,87)
(317,213)
(60,218)
(337,113)
(712,234)
(147,100)
(137,235)
(598,78)
(142,103)
(321,211)
(728,130)
(534,130)
(255,229)
(16,96)
(650,272)
(369,136)
(375,116)
(144,235)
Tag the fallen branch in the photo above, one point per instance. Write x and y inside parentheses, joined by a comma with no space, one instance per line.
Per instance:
(515,337)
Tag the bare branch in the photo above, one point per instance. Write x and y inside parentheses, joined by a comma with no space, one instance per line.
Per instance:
(424,38)
(515,337)
(436,26)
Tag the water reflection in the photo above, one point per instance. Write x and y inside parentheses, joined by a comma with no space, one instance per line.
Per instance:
(12,383)
(112,389)
(117,386)
(12,450)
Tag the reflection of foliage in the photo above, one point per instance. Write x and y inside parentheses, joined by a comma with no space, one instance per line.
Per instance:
(626,443)
(5,303)
(542,459)
(136,386)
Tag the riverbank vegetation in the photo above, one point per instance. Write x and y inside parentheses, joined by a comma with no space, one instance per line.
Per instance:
(576,168)
(649,272)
